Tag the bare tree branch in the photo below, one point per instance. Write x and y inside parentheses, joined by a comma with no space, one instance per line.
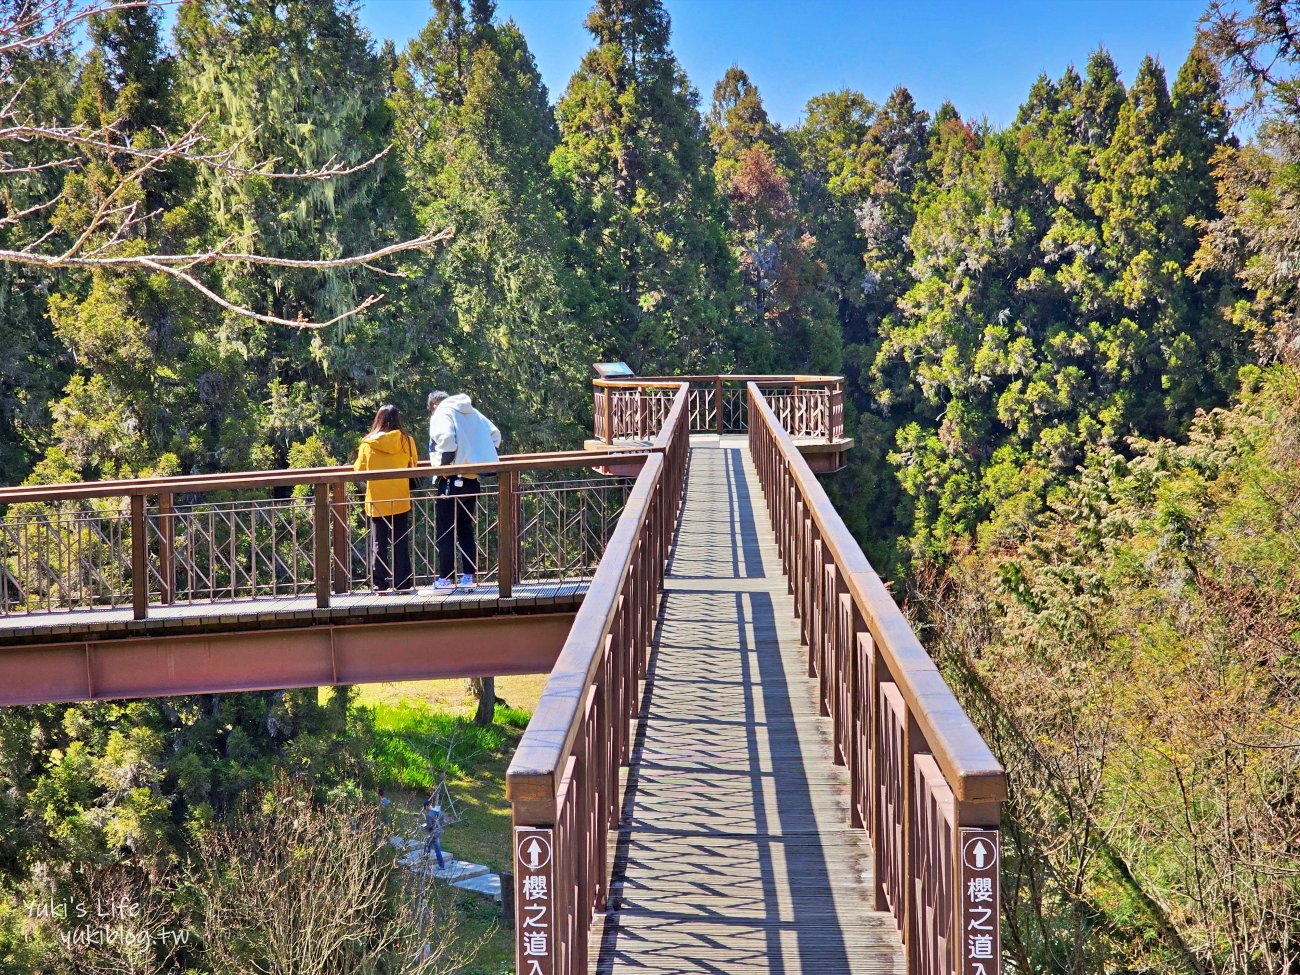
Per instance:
(120,168)
(187,145)
(38,24)
(127,261)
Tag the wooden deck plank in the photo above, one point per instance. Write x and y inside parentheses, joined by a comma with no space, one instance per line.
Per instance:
(734,853)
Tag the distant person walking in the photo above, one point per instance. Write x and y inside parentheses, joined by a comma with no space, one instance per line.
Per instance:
(434,823)
(458,434)
(388,501)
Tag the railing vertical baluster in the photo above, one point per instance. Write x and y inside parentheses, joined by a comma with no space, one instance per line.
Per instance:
(507,539)
(321,552)
(609,423)
(254,513)
(913,743)
(139,559)
(717,399)
(167,547)
(342,541)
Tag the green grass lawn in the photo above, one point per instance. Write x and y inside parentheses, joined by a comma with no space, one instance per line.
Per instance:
(414,725)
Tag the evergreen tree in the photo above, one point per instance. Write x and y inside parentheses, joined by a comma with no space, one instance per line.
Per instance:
(1051,312)
(792,323)
(1099,101)
(1255,237)
(645,212)
(1163,361)
(298,83)
(128,407)
(860,165)
(476,136)
(32,362)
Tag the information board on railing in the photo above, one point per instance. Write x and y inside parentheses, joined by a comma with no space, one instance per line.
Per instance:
(534,901)
(981,943)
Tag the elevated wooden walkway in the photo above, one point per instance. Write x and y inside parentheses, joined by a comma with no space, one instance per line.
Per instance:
(734,853)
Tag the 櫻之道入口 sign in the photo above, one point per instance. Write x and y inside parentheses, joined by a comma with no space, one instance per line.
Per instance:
(979,941)
(534,901)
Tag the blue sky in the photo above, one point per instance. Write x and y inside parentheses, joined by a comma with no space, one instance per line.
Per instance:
(981,54)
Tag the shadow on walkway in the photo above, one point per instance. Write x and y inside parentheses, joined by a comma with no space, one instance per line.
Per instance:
(733,853)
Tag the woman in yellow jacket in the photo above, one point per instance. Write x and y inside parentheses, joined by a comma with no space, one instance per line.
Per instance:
(388,501)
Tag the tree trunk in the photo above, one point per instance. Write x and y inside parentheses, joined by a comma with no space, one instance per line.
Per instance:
(485,689)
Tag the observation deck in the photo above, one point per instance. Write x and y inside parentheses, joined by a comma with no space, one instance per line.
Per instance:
(742,761)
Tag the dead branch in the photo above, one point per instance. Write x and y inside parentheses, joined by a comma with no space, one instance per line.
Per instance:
(37,24)
(116,215)
(218,255)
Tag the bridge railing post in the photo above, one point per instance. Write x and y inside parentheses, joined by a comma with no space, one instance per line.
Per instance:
(167,547)
(139,559)
(507,532)
(342,555)
(322,554)
(609,421)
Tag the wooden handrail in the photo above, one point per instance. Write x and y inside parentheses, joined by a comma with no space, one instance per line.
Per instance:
(203,483)
(922,781)
(969,767)
(548,740)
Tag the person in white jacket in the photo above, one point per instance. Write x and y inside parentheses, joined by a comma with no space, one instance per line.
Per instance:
(458,435)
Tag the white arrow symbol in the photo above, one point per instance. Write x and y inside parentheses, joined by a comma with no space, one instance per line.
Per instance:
(980,855)
(534,850)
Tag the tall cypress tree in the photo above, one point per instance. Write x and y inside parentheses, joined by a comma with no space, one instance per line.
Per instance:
(32,364)
(129,405)
(475,136)
(298,83)
(790,317)
(646,212)
(1152,176)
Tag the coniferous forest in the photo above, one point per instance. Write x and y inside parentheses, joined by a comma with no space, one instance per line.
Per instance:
(1072,360)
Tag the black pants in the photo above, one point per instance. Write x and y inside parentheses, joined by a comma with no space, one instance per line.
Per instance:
(390,551)
(454,513)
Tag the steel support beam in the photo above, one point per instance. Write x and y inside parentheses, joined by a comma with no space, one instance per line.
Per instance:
(253,660)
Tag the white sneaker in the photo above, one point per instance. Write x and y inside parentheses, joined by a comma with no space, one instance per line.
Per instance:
(466,580)
(444,584)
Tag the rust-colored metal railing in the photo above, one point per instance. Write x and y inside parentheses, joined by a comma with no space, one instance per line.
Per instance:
(924,783)
(810,408)
(563,779)
(286,534)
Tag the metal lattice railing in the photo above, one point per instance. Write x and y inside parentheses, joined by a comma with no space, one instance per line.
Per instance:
(64,555)
(163,543)
(810,408)
(923,783)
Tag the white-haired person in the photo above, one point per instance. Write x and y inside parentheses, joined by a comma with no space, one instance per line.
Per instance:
(458,435)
